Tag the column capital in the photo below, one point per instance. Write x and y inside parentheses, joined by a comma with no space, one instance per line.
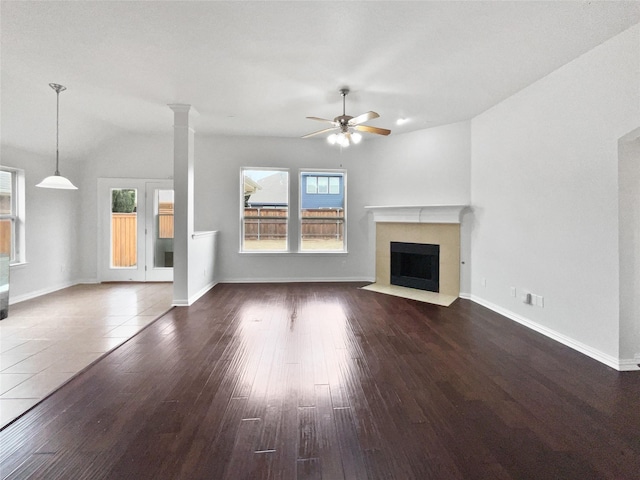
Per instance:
(180,107)
(181,113)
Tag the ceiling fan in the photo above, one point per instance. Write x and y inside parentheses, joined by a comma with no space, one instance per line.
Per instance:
(347,126)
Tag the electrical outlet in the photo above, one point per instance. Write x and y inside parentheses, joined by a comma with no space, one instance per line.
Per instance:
(526,298)
(540,301)
(513,291)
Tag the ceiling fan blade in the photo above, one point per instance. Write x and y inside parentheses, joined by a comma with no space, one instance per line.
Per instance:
(323,120)
(363,118)
(319,132)
(366,128)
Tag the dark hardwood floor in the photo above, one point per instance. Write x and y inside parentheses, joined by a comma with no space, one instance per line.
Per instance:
(329,381)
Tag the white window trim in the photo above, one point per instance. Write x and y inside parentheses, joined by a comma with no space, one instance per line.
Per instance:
(241,212)
(327,173)
(19,216)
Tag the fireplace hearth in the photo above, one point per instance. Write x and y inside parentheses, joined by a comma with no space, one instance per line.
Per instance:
(415,265)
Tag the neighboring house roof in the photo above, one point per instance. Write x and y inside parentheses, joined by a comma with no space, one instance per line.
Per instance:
(250,186)
(273,190)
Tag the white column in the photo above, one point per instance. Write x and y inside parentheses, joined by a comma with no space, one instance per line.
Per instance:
(183,141)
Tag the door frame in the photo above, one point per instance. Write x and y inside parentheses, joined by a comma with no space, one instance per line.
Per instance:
(153,273)
(139,273)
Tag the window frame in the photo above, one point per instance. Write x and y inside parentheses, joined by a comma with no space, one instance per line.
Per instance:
(287,248)
(17,215)
(318,173)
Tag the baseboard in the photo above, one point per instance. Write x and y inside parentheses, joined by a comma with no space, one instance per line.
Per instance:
(629,364)
(193,298)
(299,280)
(38,293)
(602,357)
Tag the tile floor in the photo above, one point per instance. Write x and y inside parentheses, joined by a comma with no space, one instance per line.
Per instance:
(47,340)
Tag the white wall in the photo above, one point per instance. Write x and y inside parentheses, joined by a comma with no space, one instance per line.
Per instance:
(544,188)
(52,233)
(202,265)
(426,167)
(217,184)
(629,216)
(128,156)
(430,166)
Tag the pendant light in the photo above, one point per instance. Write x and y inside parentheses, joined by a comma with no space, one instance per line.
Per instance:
(56,180)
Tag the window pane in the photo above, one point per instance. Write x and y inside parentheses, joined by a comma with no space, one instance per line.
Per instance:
(163,241)
(6,238)
(7,210)
(312,185)
(124,228)
(334,185)
(322,215)
(265,215)
(6,190)
(323,185)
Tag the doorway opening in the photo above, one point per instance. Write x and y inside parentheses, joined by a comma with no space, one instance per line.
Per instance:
(135,230)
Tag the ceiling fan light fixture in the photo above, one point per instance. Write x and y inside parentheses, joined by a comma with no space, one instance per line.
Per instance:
(56,180)
(341,139)
(356,138)
(333,138)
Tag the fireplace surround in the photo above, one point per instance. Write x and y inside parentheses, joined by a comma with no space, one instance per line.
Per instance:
(425,224)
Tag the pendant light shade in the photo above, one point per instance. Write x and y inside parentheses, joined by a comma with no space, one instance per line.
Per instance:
(56,180)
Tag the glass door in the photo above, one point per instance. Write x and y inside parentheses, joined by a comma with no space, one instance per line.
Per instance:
(159,248)
(135,230)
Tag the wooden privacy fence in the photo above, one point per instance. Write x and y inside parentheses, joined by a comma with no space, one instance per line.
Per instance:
(322,223)
(165,220)
(5,237)
(271,223)
(124,239)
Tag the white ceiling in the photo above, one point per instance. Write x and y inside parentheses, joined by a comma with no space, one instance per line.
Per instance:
(259,68)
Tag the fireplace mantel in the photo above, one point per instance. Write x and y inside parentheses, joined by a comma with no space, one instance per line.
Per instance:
(417,213)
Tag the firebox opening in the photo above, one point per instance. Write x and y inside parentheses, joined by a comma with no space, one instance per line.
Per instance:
(415,265)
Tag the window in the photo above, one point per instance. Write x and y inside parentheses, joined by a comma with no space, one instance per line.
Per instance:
(322,185)
(12,214)
(265,210)
(334,186)
(322,211)
(312,185)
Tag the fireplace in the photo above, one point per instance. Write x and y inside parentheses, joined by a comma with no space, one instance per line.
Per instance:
(415,224)
(415,265)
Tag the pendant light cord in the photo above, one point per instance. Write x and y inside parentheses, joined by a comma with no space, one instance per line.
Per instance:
(58,89)
(57,128)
